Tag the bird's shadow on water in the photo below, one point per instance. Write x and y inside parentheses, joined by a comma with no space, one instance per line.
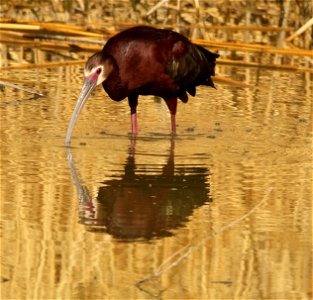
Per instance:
(144,204)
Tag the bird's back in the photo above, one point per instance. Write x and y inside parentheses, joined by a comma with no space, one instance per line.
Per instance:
(160,62)
(145,33)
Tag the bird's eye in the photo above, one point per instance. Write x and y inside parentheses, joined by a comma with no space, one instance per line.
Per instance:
(98,71)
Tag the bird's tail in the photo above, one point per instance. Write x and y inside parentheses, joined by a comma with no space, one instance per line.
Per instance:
(210,57)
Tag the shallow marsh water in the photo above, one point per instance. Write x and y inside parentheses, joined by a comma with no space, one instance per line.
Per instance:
(233,188)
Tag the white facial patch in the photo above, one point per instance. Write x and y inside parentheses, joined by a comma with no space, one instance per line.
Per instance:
(99,71)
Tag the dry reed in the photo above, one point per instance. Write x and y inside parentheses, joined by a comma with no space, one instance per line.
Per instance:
(62,36)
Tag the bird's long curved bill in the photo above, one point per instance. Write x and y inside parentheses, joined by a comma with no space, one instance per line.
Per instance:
(88,87)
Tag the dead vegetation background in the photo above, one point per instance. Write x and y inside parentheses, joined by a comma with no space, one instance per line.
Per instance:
(268,33)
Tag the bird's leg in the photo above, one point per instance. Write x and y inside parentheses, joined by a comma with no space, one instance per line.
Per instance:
(133,101)
(172,105)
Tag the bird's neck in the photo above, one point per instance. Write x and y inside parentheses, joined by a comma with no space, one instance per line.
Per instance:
(114,86)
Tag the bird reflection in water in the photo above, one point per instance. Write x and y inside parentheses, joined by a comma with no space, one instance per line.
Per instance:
(143,204)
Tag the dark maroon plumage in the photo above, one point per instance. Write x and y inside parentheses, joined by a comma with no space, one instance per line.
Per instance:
(147,61)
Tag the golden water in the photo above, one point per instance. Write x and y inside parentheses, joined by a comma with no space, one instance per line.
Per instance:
(91,222)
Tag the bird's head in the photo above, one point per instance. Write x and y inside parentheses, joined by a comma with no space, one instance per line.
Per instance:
(97,69)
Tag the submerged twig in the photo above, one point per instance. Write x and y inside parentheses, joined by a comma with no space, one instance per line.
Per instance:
(185,251)
(12,85)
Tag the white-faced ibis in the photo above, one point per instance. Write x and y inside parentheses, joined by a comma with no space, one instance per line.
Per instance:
(146,61)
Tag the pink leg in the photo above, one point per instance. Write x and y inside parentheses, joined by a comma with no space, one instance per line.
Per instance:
(172,106)
(133,101)
(134,123)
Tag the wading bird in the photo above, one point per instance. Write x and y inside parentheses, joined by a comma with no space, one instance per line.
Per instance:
(146,61)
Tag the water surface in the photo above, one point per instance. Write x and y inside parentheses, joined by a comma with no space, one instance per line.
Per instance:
(233,189)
